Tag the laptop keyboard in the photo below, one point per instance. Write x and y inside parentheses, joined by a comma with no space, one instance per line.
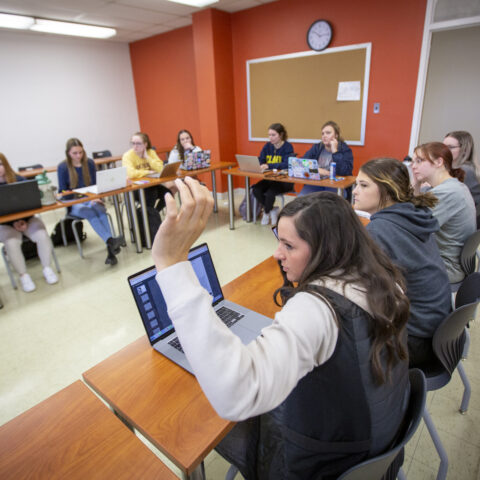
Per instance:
(228,316)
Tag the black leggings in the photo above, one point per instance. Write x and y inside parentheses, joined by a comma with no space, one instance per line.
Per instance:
(266,190)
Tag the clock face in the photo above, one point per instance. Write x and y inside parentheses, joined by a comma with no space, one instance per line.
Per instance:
(319,35)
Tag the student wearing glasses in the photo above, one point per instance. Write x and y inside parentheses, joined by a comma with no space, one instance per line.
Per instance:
(404,227)
(326,385)
(461,145)
(11,235)
(142,160)
(432,163)
(78,171)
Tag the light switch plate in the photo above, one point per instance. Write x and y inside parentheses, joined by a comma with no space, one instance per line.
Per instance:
(376,107)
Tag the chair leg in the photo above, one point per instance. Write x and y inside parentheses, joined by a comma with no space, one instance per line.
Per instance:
(64,235)
(254,212)
(55,259)
(467,392)
(77,238)
(110,221)
(466,346)
(232,472)
(282,200)
(9,270)
(442,469)
(401,474)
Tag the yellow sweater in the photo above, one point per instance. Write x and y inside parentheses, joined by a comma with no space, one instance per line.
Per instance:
(138,167)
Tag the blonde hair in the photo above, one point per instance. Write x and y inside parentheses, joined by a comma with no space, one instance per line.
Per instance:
(10,175)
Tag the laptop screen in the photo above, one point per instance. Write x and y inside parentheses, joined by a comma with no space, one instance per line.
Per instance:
(149,298)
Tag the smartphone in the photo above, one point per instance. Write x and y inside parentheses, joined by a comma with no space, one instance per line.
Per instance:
(70,197)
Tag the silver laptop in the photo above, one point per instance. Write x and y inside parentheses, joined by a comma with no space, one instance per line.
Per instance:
(169,170)
(249,163)
(107,180)
(245,323)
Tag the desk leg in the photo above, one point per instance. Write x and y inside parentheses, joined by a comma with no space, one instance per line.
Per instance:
(247,198)
(214,191)
(129,209)
(146,226)
(340,191)
(138,240)
(119,219)
(231,206)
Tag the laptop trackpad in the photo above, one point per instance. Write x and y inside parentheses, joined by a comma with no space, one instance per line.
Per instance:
(245,334)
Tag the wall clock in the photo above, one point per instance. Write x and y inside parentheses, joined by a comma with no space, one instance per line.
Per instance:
(319,35)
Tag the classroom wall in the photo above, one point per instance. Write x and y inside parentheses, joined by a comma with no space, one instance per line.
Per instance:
(452,96)
(394,29)
(55,87)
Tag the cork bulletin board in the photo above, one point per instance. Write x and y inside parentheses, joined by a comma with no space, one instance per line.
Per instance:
(300,91)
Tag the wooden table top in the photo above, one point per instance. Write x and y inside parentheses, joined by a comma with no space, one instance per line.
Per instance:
(73,435)
(344,183)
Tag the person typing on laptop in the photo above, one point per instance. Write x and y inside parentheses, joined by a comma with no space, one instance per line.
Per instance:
(325,386)
(11,235)
(78,171)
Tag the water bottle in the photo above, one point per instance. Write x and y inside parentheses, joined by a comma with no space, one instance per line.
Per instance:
(333,170)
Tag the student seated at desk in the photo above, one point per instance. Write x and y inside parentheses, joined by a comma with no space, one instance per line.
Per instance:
(455,210)
(78,171)
(332,148)
(141,160)
(461,145)
(185,144)
(404,227)
(274,155)
(11,235)
(326,385)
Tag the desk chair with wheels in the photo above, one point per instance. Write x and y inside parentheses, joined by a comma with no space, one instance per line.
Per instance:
(387,465)
(75,221)
(448,344)
(9,269)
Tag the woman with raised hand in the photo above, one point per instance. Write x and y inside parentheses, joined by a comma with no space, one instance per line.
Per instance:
(326,385)
(274,155)
(404,227)
(432,164)
(78,171)
(11,235)
(461,145)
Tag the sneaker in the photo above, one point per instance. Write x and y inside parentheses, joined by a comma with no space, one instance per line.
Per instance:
(50,276)
(27,283)
(274,216)
(265,219)
(111,260)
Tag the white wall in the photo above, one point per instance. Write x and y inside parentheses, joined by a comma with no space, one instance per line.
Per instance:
(54,87)
(452,93)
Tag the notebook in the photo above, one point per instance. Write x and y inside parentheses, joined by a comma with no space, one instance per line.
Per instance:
(169,170)
(107,180)
(304,168)
(19,196)
(249,163)
(245,323)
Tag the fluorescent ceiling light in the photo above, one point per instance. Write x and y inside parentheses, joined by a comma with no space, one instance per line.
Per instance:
(15,21)
(195,3)
(76,29)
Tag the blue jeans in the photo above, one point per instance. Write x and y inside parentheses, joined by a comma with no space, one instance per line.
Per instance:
(96,215)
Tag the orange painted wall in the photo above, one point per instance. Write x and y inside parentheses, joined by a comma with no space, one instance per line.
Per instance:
(395,30)
(164,75)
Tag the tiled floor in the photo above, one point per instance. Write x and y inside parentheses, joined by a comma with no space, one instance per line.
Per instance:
(54,334)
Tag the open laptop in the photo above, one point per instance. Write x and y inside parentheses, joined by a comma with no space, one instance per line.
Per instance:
(19,196)
(304,168)
(249,163)
(107,180)
(245,323)
(169,170)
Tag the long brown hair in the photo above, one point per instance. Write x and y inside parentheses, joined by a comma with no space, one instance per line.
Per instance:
(467,151)
(10,175)
(72,173)
(342,249)
(434,150)
(393,182)
(181,150)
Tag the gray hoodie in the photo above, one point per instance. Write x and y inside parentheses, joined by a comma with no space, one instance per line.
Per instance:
(405,233)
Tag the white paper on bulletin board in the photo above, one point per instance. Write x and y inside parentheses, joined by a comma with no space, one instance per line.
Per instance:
(348,91)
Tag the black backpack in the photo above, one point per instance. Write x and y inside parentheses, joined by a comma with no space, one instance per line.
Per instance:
(154,221)
(56,235)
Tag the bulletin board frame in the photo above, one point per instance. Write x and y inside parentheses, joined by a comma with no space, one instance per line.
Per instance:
(299,90)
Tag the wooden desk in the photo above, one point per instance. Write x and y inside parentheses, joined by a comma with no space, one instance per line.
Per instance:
(339,185)
(73,435)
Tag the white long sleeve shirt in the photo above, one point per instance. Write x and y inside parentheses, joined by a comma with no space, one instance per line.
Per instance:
(242,381)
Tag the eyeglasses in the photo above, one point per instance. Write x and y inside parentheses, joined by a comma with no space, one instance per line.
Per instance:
(136,143)
(275,232)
